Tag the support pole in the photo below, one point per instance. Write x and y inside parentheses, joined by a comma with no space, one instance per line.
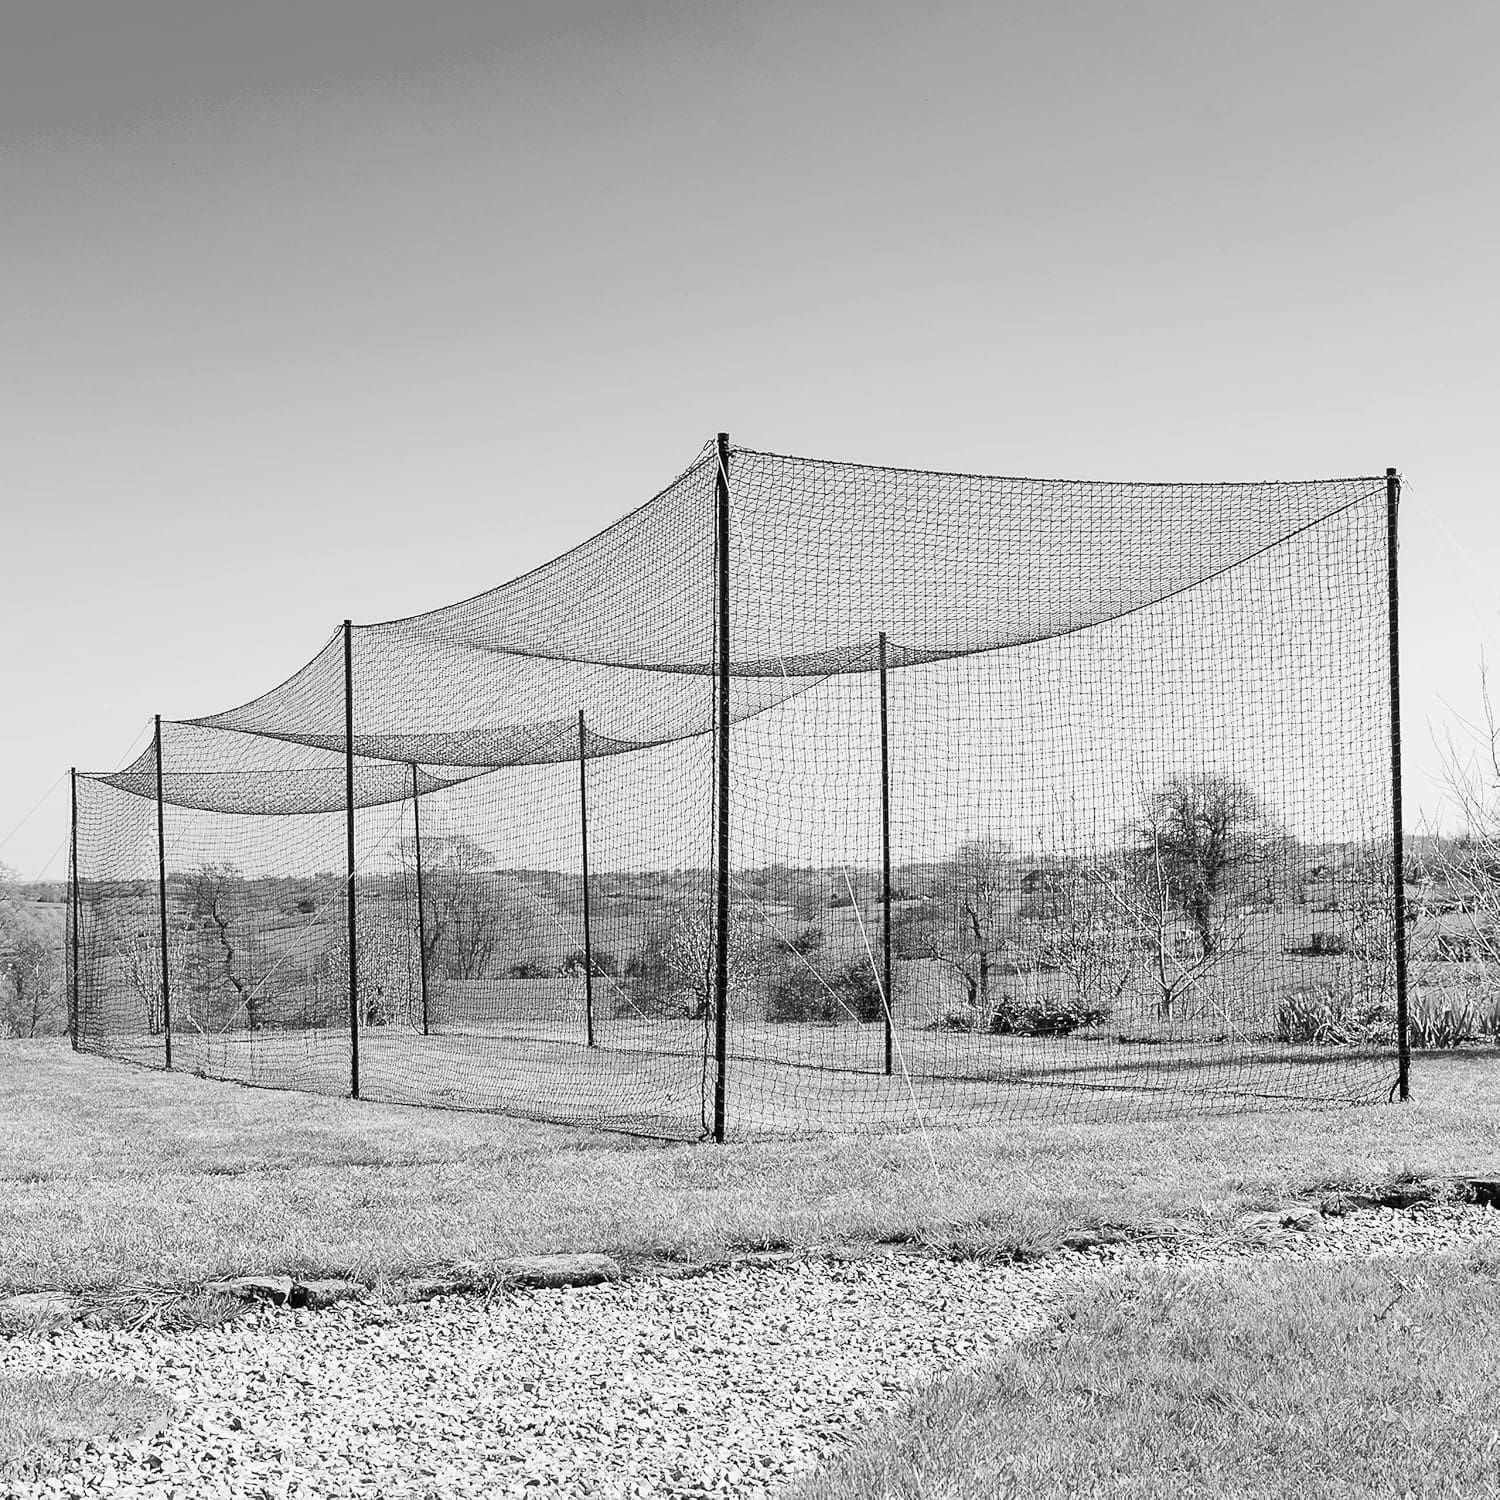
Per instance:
(161,899)
(885,862)
(74,907)
(416,821)
(721,790)
(1403,1045)
(349,858)
(588,932)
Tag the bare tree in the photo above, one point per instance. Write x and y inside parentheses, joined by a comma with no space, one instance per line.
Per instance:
(1174,960)
(673,973)
(470,914)
(1204,845)
(217,901)
(30,966)
(140,951)
(1081,933)
(389,983)
(1202,835)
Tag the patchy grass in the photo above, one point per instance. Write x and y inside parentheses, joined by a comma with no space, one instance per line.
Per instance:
(43,1417)
(114,1177)
(1342,1381)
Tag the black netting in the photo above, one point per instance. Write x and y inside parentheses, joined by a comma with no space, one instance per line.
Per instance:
(1066,798)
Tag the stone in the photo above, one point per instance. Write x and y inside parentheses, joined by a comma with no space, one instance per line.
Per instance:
(277,1289)
(1303,1220)
(39,1307)
(325,1292)
(557,1270)
(425,1290)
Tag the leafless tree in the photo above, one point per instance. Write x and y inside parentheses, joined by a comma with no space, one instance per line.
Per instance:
(1201,835)
(30,967)
(470,914)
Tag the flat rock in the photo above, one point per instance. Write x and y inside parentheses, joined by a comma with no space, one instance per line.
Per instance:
(277,1289)
(557,1270)
(424,1290)
(39,1307)
(1303,1219)
(325,1292)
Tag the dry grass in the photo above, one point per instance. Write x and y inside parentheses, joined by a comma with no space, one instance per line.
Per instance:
(113,1176)
(42,1417)
(1289,1381)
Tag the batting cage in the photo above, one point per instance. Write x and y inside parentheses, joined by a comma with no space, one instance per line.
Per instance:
(808,796)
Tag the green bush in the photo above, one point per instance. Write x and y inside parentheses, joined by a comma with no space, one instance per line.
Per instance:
(1328,1016)
(1044,1018)
(604,963)
(802,992)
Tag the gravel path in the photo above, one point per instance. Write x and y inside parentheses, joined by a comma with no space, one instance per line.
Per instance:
(726,1384)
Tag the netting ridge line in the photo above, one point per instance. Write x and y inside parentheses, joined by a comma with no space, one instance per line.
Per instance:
(398,620)
(1187,588)
(206,722)
(1132,484)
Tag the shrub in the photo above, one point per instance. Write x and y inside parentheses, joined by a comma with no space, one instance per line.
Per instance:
(604,963)
(1011,1017)
(1320,1014)
(1044,1017)
(801,992)
(1328,1016)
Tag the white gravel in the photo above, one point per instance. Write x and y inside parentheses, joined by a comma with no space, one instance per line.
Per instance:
(727,1384)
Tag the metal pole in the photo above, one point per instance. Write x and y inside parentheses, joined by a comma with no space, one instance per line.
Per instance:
(416,820)
(588,933)
(721,789)
(885,861)
(1403,1045)
(161,898)
(73,904)
(349,858)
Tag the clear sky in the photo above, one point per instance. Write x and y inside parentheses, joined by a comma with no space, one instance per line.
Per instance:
(327,308)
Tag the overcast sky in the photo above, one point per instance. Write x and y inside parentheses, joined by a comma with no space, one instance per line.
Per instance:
(327,308)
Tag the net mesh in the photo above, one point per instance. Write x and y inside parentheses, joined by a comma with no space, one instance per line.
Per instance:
(1043,797)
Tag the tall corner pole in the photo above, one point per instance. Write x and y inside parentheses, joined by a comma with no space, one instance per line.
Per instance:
(1403,1043)
(161,899)
(588,931)
(349,858)
(721,790)
(75,907)
(416,823)
(886,996)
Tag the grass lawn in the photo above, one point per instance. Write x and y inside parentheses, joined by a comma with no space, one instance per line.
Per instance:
(1279,1381)
(114,1177)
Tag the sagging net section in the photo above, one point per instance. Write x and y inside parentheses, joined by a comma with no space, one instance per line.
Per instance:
(1054,798)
